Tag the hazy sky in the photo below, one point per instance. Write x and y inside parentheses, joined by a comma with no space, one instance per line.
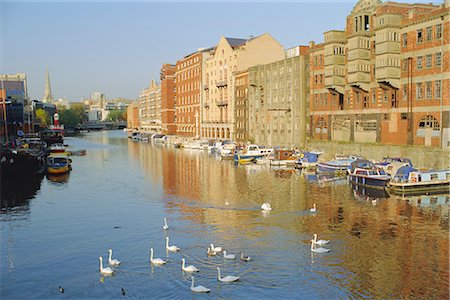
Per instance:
(117,47)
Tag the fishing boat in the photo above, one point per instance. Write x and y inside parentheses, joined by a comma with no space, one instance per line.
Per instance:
(363,172)
(58,163)
(410,181)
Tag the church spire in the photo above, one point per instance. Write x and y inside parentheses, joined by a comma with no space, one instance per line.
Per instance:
(48,97)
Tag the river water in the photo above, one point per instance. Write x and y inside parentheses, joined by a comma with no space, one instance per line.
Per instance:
(53,230)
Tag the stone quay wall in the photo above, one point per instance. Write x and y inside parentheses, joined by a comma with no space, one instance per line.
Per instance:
(421,156)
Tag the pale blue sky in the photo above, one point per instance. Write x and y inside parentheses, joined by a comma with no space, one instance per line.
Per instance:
(117,47)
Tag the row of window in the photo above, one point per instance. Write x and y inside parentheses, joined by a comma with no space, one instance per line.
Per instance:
(425,90)
(188,62)
(188,74)
(424,34)
(428,61)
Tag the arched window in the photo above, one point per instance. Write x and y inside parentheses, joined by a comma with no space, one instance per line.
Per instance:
(429,122)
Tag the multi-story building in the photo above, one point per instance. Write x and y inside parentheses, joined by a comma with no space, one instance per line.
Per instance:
(278,96)
(231,55)
(168,98)
(241,107)
(14,97)
(189,87)
(385,78)
(149,104)
(133,116)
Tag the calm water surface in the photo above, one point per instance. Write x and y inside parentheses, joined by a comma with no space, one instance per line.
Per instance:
(54,229)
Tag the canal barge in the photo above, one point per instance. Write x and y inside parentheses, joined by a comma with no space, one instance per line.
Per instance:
(410,181)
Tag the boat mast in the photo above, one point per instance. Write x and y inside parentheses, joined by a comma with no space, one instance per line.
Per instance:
(4,111)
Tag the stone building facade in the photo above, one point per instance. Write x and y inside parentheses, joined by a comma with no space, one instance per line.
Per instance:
(241,116)
(385,78)
(277,100)
(231,55)
(149,108)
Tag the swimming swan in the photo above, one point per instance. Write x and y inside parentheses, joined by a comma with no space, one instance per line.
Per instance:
(165,226)
(313,209)
(318,250)
(111,261)
(210,252)
(228,278)
(216,249)
(171,248)
(199,288)
(228,256)
(319,242)
(266,206)
(245,257)
(156,261)
(105,271)
(188,268)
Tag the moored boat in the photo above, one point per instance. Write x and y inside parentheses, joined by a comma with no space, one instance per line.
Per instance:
(252,151)
(308,160)
(340,164)
(410,181)
(364,173)
(58,163)
(57,148)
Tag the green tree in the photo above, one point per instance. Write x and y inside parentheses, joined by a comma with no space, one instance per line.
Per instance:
(116,115)
(73,116)
(43,117)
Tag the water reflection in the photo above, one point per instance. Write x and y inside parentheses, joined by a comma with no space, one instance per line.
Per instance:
(380,247)
(16,194)
(58,179)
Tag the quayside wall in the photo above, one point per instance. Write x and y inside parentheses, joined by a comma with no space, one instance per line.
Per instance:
(421,156)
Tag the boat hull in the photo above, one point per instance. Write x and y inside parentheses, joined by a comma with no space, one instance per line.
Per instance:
(324,167)
(58,170)
(378,182)
(419,188)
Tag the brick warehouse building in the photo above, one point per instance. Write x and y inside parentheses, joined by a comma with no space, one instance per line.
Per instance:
(168,85)
(385,78)
(189,91)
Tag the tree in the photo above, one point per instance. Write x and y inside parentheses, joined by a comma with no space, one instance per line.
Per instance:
(73,116)
(43,117)
(116,115)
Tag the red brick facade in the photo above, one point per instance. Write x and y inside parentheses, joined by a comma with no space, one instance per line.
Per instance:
(395,87)
(168,99)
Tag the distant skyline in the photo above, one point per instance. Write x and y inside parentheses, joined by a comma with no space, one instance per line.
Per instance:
(118,47)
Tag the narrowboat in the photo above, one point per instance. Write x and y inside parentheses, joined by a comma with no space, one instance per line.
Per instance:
(410,181)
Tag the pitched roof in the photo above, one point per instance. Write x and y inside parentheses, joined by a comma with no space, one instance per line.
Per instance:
(234,42)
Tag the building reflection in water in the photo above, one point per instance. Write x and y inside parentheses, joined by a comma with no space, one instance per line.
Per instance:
(382,248)
(17,194)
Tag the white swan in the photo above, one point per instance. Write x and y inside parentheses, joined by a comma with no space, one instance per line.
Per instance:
(318,250)
(156,261)
(171,248)
(228,256)
(266,206)
(188,268)
(111,261)
(199,288)
(245,257)
(319,242)
(210,252)
(165,226)
(314,209)
(105,271)
(228,278)
(216,249)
